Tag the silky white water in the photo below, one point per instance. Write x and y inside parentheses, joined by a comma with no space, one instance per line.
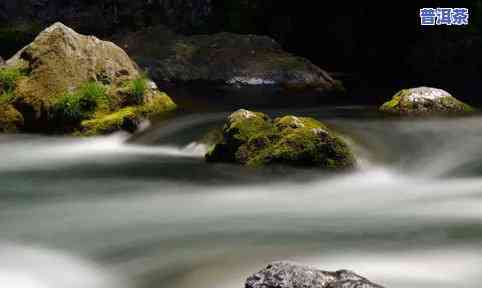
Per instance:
(107,212)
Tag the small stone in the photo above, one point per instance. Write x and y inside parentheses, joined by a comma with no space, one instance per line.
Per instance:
(424,101)
(292,275)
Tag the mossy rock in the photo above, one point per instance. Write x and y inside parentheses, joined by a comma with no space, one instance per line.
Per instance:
(63,79)
(10,119)
(424,101)
(254,139)
(127,118)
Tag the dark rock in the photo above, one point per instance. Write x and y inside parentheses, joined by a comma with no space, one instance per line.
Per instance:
(253,139)
(290,275)
(227,58)
(424,101)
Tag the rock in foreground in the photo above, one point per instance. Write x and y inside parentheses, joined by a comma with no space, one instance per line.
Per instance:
(424,101)
(254,139)
(227,58)
(65,82)
(290,275)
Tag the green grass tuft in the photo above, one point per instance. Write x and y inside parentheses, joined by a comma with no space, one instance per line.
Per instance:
(138,88)
(8,78)
(74,107)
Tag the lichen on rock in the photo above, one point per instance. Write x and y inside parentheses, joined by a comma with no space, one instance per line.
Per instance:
(254,139)
(70,78)
(424,101)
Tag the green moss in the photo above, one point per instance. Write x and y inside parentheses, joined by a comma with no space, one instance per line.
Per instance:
(258,141)
(393,103)
(244,124)
(293,122)
(301,145)
(9,77)
(160,104)
(73,107)
(124,119)
(403,104)
(456,105)
(10,119)
(127,118)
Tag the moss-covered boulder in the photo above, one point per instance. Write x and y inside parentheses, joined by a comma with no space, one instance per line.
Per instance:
(254,139)
(63,79)
(424,101)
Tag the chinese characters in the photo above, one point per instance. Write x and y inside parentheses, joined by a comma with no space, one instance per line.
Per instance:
(444,16)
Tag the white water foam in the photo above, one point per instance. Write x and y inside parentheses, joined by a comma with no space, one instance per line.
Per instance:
(51,152)
(32,267)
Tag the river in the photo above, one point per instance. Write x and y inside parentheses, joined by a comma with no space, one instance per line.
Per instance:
(147,211)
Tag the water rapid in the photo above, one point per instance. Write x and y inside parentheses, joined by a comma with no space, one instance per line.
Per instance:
(148,212)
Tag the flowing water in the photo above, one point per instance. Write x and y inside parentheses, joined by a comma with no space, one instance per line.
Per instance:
(114,212)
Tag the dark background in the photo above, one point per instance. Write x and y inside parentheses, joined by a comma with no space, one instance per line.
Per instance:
(374,47)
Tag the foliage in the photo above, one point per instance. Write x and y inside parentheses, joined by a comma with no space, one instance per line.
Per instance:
(73,107)
(8,78)
(138,88)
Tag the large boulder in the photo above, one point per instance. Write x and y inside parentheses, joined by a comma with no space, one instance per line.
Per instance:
(424,101)
(254,139)
(63,80)
(224,58)
(290,275)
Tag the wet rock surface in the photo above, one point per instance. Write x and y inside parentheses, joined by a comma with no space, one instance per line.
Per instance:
(292,275)
(424,101)
(254,139)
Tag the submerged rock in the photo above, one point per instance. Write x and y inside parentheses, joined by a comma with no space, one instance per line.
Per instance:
(423,101)
(228,58)
(254,139)
(290,275)
(63,79)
